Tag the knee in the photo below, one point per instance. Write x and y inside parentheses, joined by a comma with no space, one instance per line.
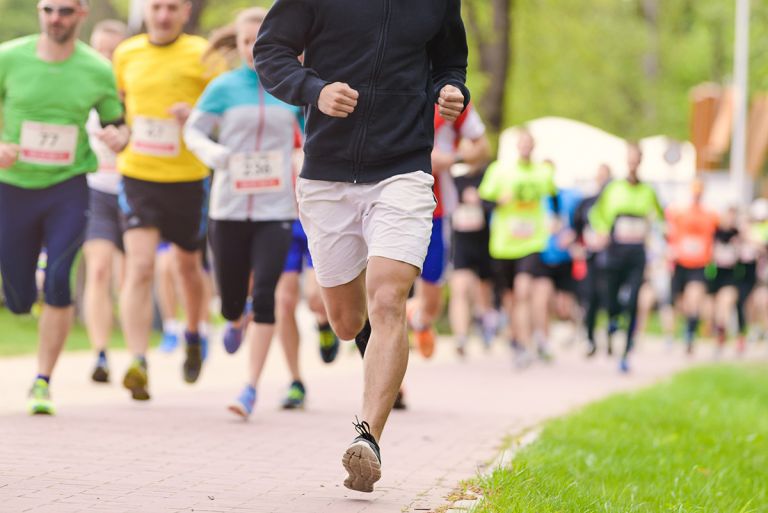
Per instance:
(387,304)
(189,267)
(99,273)
(263,306)
(315,302)
(140,270)
(346,324)
(20,305)
(286,302)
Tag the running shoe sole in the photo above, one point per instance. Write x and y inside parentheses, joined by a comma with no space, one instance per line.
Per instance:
(100,375)
(362,466)
(41,408)
(238,410)
(137,384)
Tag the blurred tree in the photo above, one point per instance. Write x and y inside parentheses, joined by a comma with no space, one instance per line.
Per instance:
(493,53)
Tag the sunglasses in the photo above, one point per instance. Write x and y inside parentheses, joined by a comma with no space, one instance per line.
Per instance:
(64,12)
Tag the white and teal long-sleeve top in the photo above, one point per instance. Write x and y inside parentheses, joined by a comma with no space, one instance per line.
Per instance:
(248,137)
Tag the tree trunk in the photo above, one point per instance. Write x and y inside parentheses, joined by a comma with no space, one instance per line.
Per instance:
(494,50)
(193,25)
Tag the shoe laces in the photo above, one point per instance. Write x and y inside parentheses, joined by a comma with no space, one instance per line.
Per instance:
(364,430)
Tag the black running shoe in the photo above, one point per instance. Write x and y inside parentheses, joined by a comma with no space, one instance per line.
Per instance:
(362,460)
(361,340)
(400,401)
(100,372)
(193,364)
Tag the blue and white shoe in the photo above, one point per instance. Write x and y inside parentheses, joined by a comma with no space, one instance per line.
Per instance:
(169,342)
(624,366)
(243,405)
(233,338)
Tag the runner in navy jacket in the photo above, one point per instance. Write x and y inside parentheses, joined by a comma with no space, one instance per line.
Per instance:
(372,72)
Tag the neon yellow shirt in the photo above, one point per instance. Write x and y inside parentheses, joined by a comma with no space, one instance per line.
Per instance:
(520,227)
(153,78)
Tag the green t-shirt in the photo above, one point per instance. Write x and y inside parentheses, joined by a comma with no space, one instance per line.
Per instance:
(624,210)
(45,109)
(520,227)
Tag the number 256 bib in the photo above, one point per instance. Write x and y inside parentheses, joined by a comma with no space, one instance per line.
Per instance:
(257,173)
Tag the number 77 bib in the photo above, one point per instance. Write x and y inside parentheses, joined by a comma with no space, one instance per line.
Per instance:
(48,145)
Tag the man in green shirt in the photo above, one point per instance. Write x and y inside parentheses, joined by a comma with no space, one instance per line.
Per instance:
(520,229)
(622,217)
(49,83)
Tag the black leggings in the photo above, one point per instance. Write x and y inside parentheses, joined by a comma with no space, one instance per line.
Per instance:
(593,294)
(242,247)
(627,271)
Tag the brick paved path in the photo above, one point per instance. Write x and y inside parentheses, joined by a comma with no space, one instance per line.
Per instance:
(183,451)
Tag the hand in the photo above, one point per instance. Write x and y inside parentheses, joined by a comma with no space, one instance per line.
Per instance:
(566,238)
(337,100)
(115,138)
(441,161)
(451,103)
(504,199)
(181,112)
(470,196)
(9,152)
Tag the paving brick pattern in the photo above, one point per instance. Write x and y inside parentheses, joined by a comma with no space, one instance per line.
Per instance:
(183,452)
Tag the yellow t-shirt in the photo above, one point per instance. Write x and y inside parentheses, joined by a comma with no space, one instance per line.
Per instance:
(152,79)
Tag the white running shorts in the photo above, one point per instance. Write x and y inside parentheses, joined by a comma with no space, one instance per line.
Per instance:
(346,223)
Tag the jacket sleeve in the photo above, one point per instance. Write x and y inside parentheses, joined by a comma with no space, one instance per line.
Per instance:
(448,53)
(283,37)
(198,136)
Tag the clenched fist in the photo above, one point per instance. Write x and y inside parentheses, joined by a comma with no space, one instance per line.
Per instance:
(115,138)
(450,103)
(8,154)
(337,100)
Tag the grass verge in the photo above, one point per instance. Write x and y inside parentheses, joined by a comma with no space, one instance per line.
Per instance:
(697,443)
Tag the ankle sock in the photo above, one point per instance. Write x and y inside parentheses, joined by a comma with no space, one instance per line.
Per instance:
(47,379)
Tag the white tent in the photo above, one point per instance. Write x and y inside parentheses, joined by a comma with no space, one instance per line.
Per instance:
(577,150)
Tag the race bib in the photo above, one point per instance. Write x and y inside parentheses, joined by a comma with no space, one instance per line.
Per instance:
(48,145)
(107,158)
(522,228)
(692,247)
(156,137)
(468,218)
(257,173)
(630,230)
(726,255)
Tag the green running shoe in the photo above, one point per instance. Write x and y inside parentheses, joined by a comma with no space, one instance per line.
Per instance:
(136,380)
(329,345)
(296,396)
(39,402)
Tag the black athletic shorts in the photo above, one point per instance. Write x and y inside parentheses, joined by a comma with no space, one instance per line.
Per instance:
(178,210)
(682,276)
(470,252)
(562,276)
(507,270)
(723,278)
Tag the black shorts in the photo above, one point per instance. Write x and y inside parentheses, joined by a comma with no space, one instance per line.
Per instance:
(470,252)
(562,276)
(723,278)
(104,219)
(507,270)
(682,276)
(178,210)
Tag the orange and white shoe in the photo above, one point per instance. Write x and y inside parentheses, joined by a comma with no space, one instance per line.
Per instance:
(425,341)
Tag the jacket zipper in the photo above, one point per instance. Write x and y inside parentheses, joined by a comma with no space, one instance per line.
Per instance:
(372,95)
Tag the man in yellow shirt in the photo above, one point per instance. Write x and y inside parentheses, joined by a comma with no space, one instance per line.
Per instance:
(164,193)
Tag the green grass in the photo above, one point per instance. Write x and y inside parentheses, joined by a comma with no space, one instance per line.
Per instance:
(698,443)
(18,336)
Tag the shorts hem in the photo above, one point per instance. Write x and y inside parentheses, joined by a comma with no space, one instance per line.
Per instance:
(338,279)
(402,256)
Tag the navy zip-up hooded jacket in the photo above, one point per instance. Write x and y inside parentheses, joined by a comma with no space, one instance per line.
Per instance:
(398,54)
